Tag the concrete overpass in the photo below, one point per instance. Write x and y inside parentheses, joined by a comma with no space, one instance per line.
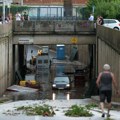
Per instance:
(54,32)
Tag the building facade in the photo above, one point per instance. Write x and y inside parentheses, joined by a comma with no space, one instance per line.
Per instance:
(48,2)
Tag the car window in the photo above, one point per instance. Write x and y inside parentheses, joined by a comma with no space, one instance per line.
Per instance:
(109,21)
(61,79)
(112,21)
(61,82)
(106,21)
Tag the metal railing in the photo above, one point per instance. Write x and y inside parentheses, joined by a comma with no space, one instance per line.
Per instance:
(48,26)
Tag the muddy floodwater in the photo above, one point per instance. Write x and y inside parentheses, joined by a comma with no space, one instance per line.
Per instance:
(44,77)
(49,94)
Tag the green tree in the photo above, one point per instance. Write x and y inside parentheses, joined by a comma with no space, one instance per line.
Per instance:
(108,9)
(14,9)
(105,8)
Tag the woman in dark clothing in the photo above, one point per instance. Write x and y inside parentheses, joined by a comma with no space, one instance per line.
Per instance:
(104,83)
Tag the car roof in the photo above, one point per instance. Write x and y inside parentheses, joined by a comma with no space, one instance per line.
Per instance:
(111,19)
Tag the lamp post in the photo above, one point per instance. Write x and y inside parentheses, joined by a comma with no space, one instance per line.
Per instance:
(22,2)
(3,11)
(8,5)
(93,9)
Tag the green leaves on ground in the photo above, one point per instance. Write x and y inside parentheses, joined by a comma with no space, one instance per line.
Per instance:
(78,111)
(44,110)
(91,105)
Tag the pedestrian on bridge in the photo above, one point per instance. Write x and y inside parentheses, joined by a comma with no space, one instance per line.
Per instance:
(91,18)
(104,83)
(26,17)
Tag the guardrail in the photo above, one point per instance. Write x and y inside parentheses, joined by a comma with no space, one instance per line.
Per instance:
(55,26)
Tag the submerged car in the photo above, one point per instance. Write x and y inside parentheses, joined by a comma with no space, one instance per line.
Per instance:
(112,23)
(61,82)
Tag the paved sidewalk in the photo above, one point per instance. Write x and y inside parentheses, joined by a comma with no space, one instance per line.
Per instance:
(61,105)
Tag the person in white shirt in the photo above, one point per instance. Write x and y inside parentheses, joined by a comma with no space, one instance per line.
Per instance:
(91,18)
(18,16)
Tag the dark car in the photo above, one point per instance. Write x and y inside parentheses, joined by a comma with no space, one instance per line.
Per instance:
(61,82)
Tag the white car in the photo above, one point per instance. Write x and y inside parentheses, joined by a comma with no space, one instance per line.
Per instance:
(112,23)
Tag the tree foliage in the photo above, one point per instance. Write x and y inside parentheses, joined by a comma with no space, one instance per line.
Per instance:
(105,8)
(13,9)
(16,8)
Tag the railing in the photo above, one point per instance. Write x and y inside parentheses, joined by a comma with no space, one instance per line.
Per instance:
(48,26)
(5,29)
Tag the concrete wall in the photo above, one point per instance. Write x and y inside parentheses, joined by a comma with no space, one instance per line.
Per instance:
(5,57)
(83,54)
(108,50)
(54,39)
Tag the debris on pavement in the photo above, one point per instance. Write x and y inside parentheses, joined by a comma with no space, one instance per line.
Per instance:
(21,89)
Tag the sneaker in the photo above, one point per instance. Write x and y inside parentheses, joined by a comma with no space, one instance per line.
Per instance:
(103,115)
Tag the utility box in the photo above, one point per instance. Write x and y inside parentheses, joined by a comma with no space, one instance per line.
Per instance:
(42,61)
(60,51)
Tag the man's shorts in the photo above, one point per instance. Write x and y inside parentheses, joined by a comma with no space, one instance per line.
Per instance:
(105,95)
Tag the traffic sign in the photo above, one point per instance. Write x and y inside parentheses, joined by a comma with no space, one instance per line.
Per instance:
(74,40)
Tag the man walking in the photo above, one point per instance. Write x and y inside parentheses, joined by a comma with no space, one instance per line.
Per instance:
(104,83)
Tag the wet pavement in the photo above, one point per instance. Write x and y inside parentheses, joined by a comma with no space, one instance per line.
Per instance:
(7,110)
(48,94)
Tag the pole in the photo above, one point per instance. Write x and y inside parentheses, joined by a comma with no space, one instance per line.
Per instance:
(3,11)
(22,2)
(93,9)
(8,5)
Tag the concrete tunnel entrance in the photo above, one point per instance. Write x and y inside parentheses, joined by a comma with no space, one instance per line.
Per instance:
(78,64)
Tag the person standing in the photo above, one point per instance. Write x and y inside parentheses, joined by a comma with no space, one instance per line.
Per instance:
(100,20)
(18,16)
(26,16)
(104,83)
(91,18)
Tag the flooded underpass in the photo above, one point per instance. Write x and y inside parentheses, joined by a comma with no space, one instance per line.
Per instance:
(50,94)
(44,77)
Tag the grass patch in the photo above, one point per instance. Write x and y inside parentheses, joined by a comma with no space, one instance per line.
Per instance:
(78,111)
